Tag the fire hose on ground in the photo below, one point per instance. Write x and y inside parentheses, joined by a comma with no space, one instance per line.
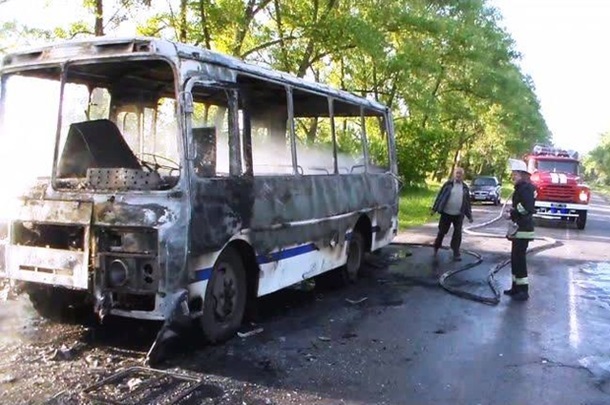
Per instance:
(549,243)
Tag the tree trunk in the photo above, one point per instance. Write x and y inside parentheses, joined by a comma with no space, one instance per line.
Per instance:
(312,132)
(207,38)
(99,18)
(456,158)
(182,36)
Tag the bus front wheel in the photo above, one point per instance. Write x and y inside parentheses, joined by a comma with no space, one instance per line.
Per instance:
(57,303)
(225,298)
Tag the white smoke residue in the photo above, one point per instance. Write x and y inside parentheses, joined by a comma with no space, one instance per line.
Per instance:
(275,157)
(27,136)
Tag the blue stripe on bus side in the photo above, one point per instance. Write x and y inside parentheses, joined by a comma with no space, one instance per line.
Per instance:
(206,274)
(286,254)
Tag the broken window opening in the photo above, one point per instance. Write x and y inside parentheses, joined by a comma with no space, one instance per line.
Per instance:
(377,142)
(29,107)
(323,127)
(122,134)
(214,120)
(266,145)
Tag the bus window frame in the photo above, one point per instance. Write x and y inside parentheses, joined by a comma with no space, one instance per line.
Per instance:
(235,148)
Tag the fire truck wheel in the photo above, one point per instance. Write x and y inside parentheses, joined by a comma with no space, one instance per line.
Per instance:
(225,298)
(581,221)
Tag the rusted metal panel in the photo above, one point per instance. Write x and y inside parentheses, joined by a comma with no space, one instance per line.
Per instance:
(49,266)
(56,212)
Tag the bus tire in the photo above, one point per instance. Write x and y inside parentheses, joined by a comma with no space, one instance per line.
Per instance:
(355,256)
(225,298)
(348,273)
(57,303)
(581,221)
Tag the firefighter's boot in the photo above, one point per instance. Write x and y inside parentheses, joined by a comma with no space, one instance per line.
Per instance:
(512,291)
(522,293)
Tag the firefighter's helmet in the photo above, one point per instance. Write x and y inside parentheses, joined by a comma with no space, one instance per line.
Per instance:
(517,165)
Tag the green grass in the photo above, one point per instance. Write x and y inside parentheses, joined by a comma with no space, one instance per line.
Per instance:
(415,204)
(507,190)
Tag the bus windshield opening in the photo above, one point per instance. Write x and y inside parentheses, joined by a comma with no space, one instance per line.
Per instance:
(116,120)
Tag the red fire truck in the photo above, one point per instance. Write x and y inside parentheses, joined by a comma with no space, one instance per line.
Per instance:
(560,193)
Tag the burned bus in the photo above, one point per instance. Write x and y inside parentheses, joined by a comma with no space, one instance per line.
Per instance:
(150,179)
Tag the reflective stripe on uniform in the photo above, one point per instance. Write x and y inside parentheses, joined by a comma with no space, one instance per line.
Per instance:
(524,235)
(521,209)
(521,281)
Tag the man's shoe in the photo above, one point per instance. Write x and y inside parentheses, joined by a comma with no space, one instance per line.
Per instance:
(520,296)
(457,258)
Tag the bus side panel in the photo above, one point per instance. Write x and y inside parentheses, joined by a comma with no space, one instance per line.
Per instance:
(291,268)
(385,226)
(280,211)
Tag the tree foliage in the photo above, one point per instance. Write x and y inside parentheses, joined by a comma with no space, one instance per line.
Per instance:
(445,67)
(597,162)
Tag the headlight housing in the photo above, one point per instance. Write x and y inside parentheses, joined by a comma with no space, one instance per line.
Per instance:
(128,259)
(118,273)
(583,196)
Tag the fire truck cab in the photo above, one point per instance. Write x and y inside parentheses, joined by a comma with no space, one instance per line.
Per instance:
(560,192)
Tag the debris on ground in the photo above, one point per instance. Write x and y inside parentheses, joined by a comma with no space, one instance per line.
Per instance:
(250,333)
(358,301)
(66,353)
(133,383)
(7,379)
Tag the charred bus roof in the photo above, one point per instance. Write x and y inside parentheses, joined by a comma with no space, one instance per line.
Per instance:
(104,47)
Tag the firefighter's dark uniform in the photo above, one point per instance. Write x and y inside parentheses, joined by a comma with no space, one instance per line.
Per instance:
(521,214)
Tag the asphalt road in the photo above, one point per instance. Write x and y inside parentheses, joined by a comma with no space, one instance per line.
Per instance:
(408,342)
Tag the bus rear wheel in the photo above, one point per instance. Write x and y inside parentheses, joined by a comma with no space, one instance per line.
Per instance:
(349,272)
(355,256)
(225,298)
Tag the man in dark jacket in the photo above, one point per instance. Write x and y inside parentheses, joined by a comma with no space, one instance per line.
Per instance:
(453,203)
(521,214)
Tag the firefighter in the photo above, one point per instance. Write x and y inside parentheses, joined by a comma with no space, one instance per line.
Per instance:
(521,214)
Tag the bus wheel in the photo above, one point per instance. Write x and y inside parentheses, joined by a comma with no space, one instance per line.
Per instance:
(581,221)
(225,298)
(57,303)
(355,255)
(348,273)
